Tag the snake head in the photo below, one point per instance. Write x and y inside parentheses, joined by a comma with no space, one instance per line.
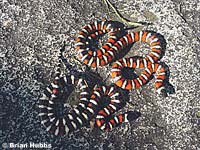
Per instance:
(133,115)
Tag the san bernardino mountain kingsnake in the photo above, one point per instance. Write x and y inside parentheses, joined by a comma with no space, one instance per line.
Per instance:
(98,101)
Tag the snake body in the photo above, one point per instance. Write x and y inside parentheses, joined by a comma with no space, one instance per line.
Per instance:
(100,102)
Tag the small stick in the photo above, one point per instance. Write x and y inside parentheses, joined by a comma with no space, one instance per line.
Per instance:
(124,20)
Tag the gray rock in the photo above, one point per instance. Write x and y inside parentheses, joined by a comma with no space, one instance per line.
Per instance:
(31,34)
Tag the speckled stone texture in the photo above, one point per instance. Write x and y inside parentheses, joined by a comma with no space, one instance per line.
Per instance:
(32,32)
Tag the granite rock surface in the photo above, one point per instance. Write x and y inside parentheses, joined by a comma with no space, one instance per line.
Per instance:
(32,32)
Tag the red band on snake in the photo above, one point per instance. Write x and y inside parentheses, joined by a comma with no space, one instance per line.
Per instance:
(113,46)
(119,71)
